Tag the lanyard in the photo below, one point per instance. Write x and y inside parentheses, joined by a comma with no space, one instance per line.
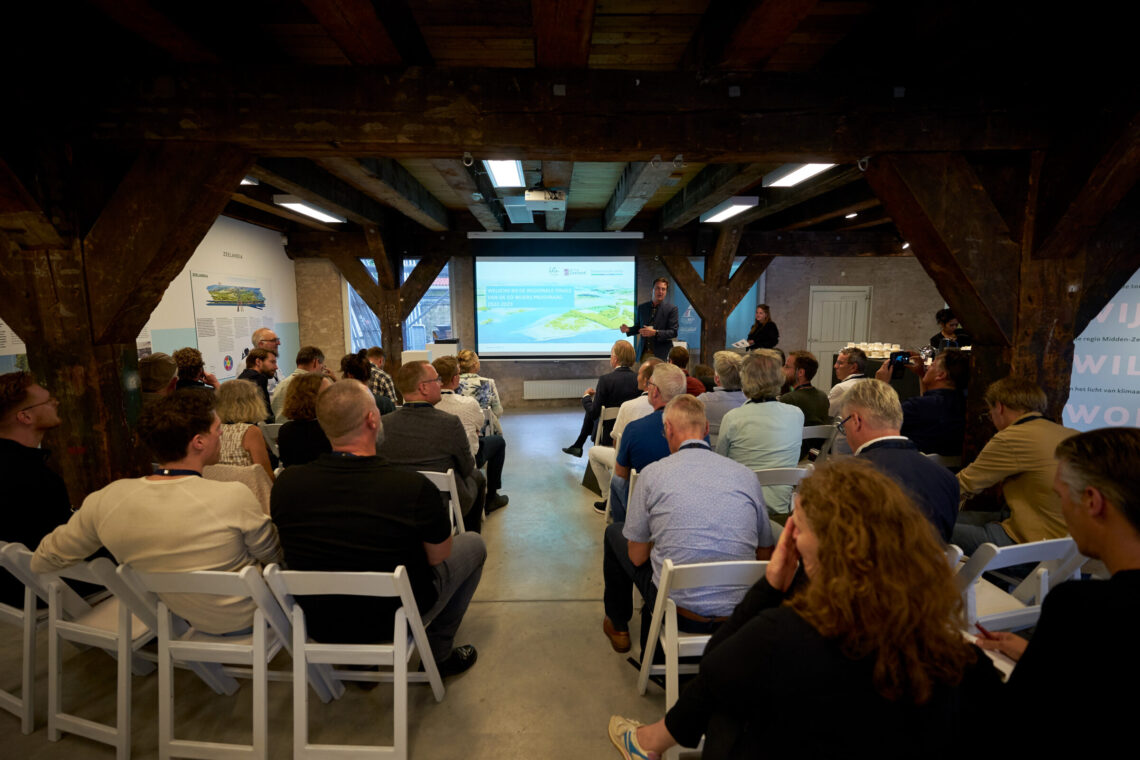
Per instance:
(163,471)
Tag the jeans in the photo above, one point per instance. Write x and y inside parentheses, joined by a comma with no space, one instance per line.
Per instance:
(619,498)
(456,579)
(975,528)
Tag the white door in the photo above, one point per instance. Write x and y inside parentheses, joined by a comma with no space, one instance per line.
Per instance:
(839,314)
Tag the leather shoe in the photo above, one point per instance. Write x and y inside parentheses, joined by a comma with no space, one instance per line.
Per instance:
(460,659)
(619,640)
(600,507)
(497,501)
(574,451)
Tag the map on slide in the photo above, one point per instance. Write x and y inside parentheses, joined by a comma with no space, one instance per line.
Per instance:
(564,307)
(235,295)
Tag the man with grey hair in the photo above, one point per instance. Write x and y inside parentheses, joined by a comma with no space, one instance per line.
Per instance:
(691,506)
(872,417)
(643,442)
(850,365)
(352,511)
(764,434)
(1098,484)
(727,394)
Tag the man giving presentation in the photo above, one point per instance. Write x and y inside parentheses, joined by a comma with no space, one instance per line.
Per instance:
(656,323)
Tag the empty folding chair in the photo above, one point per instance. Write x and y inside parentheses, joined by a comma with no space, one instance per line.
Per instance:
(674,643)
(445,482)
(782,476)
(1058,560)
(827,433)
(408,636)
(251,650)
(604,415)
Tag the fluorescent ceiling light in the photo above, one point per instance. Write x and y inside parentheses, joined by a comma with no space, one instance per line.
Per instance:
(293,203)
(793,174)
(250,181)
(729,208)
(505,173)
(852,215)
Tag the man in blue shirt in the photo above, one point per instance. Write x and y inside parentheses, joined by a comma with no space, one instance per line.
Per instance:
(643,442)
(691,506)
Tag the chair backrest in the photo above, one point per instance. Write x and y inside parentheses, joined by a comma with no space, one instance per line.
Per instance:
(18,560)
(445,482)
(827,432)
(632,483)
(737,573)
(782,476)
(953,555)
(270,430)
(606,414)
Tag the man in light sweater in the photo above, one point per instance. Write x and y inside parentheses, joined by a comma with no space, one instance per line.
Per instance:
(174,520)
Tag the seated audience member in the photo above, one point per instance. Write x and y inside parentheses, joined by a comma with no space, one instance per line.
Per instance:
(175,520)
(726,395)
(260,368)
(351,511)
(950,333)
(936,420)
(379,381)
(679,356)
(871,418)
(614,389)
(869,638)
(480,388)
(763,434)
(240,409)
(603,458)
(691,506)
(1098,481)
(417,436)
(850,365)
(1020,457)
(192,371)
(309,359)
(707,376)
(799,369)
(158,376)
(35,493)
(643,441)
(487,449)
(356,367)
(301,439)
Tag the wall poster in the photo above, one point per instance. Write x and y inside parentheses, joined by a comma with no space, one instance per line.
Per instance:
(227,309)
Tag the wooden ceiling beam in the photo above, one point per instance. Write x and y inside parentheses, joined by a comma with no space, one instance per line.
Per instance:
(260,197)
(557,175)
(562,31)
(853,196)
(853,208)
(301,178)
(357,30)
(712,185)
(487,212)
(773,200)
(743,35)
(637,184)
(150,24)
(567,115)
(821,244)
(386,181)
(21,219)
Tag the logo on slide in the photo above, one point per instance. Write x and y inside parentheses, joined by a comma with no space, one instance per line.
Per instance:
(228,363)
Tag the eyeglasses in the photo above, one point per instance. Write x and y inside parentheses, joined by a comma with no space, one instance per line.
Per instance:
(435,379)
(840,423)
(33,406)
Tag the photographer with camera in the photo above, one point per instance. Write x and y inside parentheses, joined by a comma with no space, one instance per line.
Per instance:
(936,420)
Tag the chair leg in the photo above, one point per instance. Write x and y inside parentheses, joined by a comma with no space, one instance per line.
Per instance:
(55,672)
(165,686)
(28,666)
(400,689)
(260,689)
(300,690)
(123,699)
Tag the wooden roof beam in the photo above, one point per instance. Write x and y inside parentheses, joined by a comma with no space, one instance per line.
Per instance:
(712,185)
(773,200)
(484,208)
(386,181)
(260,197)
(357,30)
(301,178)
(636,185)
(743,35)
(562,30)
(821,244)
(150,24)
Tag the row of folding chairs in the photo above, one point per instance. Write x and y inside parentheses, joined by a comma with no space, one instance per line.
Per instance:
(132,616)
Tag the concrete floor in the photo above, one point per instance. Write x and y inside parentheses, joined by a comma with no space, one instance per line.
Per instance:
(545,684)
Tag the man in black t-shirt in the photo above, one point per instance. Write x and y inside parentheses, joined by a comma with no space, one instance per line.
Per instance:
(352,511)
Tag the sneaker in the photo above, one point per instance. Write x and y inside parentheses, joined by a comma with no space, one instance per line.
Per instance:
(600,507)
(623,733)
(574,451)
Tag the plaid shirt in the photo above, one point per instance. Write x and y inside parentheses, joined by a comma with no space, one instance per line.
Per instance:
(380,382)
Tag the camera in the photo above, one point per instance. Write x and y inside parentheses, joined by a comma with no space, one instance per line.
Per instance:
(898,361)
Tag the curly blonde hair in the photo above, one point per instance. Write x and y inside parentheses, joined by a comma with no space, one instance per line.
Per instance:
(468,361)
(883,587)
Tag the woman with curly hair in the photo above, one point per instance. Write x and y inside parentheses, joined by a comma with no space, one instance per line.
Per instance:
(240,407)
(301,439)
(853,633)
(480,388)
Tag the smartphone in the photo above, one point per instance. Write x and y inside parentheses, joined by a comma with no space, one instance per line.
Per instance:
(899,361)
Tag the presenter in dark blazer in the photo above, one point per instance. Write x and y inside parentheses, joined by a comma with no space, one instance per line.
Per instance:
(656,323)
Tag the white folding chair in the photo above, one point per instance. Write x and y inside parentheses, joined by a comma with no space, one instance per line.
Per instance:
(1058,560)
(445,482)
(953,555)
(782,476)
(270,431)
(408,637)
(108,625)
(674,643)
(606,414)
(826,432)
(252,650)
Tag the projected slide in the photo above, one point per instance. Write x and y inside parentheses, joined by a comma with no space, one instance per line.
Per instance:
(552,307)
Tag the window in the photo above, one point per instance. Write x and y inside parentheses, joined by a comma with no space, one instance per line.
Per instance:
(431,315)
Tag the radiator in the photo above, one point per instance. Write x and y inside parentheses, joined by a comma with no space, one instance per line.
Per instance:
(543,389)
